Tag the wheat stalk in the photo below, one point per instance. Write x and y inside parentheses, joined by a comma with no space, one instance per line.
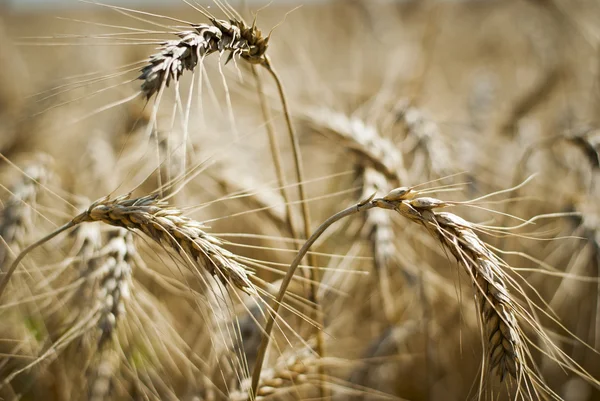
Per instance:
(505,345)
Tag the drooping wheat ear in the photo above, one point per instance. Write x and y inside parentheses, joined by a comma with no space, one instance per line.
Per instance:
(16,219)
(177,56)
(495,303)
(506,347)
(427,138)
(498,311)
(356,135)
(168,227)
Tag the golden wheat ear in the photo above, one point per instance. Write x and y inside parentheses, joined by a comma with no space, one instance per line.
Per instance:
(177,56)
(507,349)
(166,226)
(16,218)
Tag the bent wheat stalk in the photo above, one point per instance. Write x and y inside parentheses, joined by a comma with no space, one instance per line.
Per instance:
(505,344)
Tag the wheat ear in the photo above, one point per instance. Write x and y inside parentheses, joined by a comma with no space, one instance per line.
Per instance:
(112,295)
(372,149)
(16,217)
(165,225)
(506,347)
(289,373)
(177,56)
(426,135)
(168,227)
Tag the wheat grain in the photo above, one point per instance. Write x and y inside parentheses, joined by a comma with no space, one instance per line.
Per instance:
(289,374)
(115,285)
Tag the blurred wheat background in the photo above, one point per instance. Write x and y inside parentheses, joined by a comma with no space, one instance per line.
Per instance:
(166,296)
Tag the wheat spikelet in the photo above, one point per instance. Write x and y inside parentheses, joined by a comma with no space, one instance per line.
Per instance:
(497,308)
(111,296)
(177,56)
(495,303)
(115,285)
(88,242)
(427,137)
(168,227)
(361,138)
(289,374)
(100,386)
(17,214)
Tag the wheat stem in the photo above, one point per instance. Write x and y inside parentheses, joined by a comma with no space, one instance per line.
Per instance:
(313,274)
(260,356)
(277,162)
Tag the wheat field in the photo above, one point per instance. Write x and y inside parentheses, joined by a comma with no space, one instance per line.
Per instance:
(346,200)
